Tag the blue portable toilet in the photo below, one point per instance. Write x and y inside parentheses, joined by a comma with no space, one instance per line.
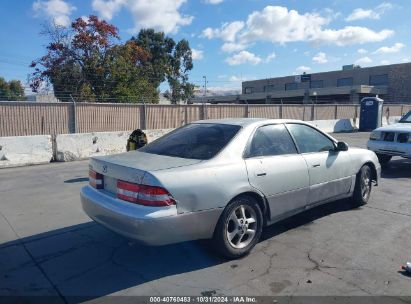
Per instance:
(370,113)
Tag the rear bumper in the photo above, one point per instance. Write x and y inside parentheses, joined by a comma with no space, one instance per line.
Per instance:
(149,225)
(390,148)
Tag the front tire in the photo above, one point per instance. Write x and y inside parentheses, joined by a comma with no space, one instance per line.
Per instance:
(363,185)
(383,158)
(239,227)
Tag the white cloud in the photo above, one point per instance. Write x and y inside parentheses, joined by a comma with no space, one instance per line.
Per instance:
(230,47)
(363,60)
(393,49)
(302,69)
(108,8)
(352,35)
(197,54)
(227,32)
(57,10)
(235,78)
(162,15)
(374,13)
(362,51)
(270,57)
(405,60)
(243,57)
(321,58)
(277,24)
(384,62)
(213,1)
(280,25)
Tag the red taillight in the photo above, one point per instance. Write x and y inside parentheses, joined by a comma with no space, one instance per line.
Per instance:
(144,194)
(95,179)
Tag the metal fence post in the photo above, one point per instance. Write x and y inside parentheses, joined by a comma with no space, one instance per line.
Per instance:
(312,112)
(336,112)
(185,114)
(74,117)
(143,116)
(246,111)
(281,111)
(203,112)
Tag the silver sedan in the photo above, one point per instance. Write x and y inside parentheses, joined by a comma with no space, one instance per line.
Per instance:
(224,180)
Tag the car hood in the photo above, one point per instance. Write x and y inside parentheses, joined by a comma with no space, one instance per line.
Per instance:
(406,127)
(146,161)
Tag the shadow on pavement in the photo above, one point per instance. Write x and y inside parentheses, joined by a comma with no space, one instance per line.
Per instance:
(397,168)
(76,180)
(306,218)
(87,261)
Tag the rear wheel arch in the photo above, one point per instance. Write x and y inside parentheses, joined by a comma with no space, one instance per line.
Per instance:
(261,200)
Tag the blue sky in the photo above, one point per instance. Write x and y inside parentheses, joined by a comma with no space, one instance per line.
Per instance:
(232,40)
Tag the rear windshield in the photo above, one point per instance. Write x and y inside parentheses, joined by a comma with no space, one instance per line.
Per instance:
(406,118)
(194,141)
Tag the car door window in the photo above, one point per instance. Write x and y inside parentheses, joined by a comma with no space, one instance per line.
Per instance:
(271,140)
(309,140)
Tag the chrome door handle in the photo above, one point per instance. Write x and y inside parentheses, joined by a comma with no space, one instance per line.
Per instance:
(316,165)
(261,174)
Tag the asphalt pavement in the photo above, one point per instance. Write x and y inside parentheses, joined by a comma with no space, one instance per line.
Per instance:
(48,246)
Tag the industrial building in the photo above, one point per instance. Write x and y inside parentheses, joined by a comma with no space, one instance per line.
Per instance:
(348,85)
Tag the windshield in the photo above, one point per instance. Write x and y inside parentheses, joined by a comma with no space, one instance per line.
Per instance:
(195,141)
(406,118)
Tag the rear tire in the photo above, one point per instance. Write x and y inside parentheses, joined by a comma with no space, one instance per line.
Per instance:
(363,185)
(383,158)
(239,227)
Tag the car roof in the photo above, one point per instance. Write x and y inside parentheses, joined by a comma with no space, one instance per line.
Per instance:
(245,122)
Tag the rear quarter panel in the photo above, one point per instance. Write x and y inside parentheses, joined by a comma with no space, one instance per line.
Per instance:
(205,186)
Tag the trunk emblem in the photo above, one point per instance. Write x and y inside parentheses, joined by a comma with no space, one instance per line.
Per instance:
(104,169)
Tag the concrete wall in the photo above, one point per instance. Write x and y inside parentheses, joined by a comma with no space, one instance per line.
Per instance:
(25,150)
(335,126)
(391,120)
(71,147)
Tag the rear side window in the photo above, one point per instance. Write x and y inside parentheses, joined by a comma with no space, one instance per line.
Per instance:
(310,140)
(194,141)
(271,140)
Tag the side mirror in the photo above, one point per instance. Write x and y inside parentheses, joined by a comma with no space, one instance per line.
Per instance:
(342,146)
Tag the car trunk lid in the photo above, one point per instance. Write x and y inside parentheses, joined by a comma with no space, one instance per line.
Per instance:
(133,167)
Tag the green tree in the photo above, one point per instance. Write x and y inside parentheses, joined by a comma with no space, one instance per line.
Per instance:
(12,90)
(181,64)
(4,89)
(160,48)
(169,61)
(86,63)
(16,90)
